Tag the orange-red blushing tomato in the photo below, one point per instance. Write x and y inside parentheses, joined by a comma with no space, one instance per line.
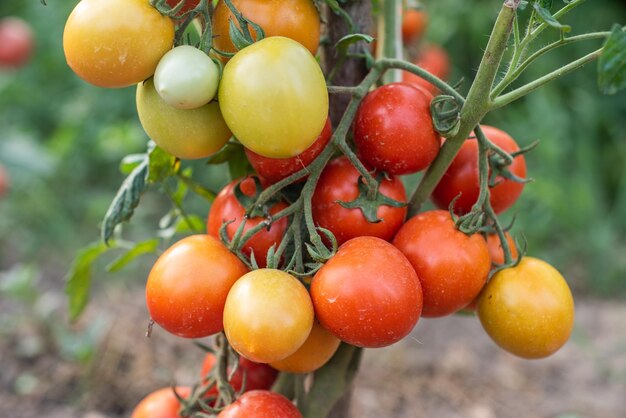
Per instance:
(295,19)
(161,403)
(393,129)
(462,176)
(226,207)
(188,285)
(413,25)
(261,404)
(433,59)
(496,253)
(452,267)
(368,294)
(116,43)
(256,375)
(16,42)
(528,310)
(275,169)
(339,182)
(318,348)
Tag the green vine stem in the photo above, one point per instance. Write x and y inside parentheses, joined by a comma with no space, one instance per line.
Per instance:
(389,25)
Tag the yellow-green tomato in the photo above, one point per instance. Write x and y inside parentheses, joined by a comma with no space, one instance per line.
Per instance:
(318,348)
(268,315)
(273,97)
(528,310)
(186,78)
(187,134)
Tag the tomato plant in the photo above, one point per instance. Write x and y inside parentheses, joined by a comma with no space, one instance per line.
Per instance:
(161,403)
(249,375)
(433,59)
(261,404)
(16,42)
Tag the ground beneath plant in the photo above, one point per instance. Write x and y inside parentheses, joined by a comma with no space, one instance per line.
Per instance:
(445,368)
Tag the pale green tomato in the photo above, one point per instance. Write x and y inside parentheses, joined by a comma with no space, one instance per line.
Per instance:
(273,97)
(187,134)
(186,78)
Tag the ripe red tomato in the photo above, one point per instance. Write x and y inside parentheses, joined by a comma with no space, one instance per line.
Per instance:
(161,403)
(462,176)
(226,207)
(4,181)
(339,182)
(413,25)
(256,375)
(433,59)
(189,4)
(393,129)
(16,42)
(275,169)
(495,248)
(368,294)
(452,267)
(261,404)
(187,286)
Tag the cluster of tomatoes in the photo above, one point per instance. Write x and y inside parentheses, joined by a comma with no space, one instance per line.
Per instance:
(387,272)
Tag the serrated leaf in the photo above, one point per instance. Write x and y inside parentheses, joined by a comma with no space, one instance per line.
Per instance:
(138,250)
(78,279)
(612,62)
(344,43)
(545,15)
(162,165)
(130,162)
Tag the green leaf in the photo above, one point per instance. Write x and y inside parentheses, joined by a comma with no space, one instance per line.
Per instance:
(545,15)
(162,165)
(233,153)
(130,162)
(141,248)
(78,279)
(239,40)
(226,153)
(344,43)
(612,62)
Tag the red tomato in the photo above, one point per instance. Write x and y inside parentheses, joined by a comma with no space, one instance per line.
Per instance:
(261,404)
(161,403)
(188,285)
(256,375)
(368,294)
(433,59)
(452,267)
(189,4)
(226,207)
(4,181)
(413,25)
(462,176)
(393,129)
(16,42)
(339,182)
(275,169)
(495,248)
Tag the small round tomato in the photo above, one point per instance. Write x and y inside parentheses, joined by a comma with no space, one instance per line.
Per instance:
(295,19)
(452,267)
(339,183)
(273,97)
(184,133)
(161,403)
(261,404)
(433,59)
(16,42)
(187,286)
(496,253)
(461,178)
(413,25)
(268,315)
(368,294)
(226,208)
(189,4)
(274,170)
(393,129)
(4,181)
(256,376)
(116,43)
(528,310)
(186,78)
(318,348)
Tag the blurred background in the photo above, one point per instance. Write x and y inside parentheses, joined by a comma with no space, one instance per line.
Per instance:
(61,143)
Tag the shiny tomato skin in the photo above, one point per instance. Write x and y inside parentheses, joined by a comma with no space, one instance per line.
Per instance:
(161,403)
(462,176)
(496,253)
(16,42)
(368,294)
(295,19)
(339,182)
(116,43)
(261,404)
(274,170)
(257,376)
(188,285)
(413,25)
(226,207)
(528,310)
(452,267)
(433,59)
(393,129)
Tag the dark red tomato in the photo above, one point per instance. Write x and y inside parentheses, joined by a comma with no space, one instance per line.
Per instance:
(413,25)
(4,181)
(161,403)
(261,404)
(257,376)
(452,267)
(462,176)
(339,182)
(226,207)
(275,169)
(368,294)
(16,42)
(433,59)
(189,4)
(393,129)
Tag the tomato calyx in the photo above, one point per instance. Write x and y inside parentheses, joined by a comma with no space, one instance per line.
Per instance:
(240,35)
(370,200)
(500,161)
(446,115)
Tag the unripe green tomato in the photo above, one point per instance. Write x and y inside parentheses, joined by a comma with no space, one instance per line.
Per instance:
(273,97)
(186,78)
(187,134)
